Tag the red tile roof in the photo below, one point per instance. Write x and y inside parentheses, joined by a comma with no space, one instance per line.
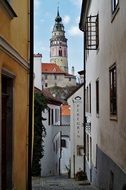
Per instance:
(51,68)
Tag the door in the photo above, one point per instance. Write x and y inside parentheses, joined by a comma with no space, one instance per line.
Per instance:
(4,119)
(7,96)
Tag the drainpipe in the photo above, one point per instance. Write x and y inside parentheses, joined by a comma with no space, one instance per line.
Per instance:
(84,139)
(29,184)
(84,107)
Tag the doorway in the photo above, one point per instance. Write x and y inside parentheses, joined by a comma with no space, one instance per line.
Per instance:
(7,115)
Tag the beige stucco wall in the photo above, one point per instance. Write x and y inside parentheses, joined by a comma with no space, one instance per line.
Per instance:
(110,135)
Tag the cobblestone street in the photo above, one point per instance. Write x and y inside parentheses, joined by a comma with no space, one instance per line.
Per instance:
(60,183)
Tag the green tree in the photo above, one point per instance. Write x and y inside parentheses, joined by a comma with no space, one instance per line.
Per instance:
(39,133)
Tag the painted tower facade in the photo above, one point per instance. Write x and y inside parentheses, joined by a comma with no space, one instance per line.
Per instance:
(58,45)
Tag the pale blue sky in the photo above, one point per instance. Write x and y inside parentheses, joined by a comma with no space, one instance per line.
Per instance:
(44,19)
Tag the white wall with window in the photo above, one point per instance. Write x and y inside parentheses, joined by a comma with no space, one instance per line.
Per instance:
(76,131)
(105,71)
(48,162)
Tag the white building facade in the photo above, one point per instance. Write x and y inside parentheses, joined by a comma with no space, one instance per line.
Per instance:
(105,91)
(76,131)
(56,155)
(37,71)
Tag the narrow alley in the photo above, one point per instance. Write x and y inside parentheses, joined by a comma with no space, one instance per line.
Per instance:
(60,183)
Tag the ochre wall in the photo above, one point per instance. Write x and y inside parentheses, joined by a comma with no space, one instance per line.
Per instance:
(15,33)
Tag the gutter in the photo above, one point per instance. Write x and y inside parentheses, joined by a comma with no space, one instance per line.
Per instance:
(84,13)
(83,16)
(31,78)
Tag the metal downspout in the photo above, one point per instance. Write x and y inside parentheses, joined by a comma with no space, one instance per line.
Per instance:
(29,184)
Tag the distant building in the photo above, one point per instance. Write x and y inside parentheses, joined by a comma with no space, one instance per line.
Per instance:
(52,75)
(37,71)
(58,45)
(104,26)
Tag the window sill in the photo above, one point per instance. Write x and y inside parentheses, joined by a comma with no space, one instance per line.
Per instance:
(113,117)
(114,13)
(8,8)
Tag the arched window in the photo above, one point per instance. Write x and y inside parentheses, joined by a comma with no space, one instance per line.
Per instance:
(60,52)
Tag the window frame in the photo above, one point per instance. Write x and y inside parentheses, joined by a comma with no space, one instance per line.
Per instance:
(89,97)
(114,8)
(46,76)
(63,143)
(97,96)
(46,85)
(55,77)
(114,5)
(113,91)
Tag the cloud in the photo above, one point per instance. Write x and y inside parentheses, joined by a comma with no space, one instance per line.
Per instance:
(77,20)
(66,19)
(77,3)
(74,31)
(47,49)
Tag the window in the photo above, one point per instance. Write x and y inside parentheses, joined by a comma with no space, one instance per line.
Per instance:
(113,90)
(55,77)
(52,121)
(111,181)
(63,143)
(56,115)
(87,147)
(7,131)
(89,98)
(97,96)
(115,4)
(46,76)
(46,84)
(80,150)
(49,122)
(60,52)
(86,97)
(92,32)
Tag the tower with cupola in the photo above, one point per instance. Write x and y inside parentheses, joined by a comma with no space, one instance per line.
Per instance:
(58,45)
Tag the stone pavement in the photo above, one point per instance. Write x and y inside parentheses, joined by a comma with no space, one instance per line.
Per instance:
(60,183)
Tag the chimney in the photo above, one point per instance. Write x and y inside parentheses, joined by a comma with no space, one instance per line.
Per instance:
(72,70)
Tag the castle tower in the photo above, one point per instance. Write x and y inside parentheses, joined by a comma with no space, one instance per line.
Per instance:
(58,45)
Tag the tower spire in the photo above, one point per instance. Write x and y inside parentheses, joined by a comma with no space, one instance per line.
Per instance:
(58,18)
(58,44)
(58,9)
